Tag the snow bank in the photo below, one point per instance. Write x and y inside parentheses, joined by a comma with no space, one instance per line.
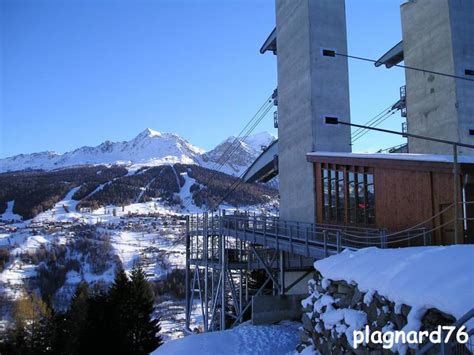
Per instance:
(246,339)
(422,277)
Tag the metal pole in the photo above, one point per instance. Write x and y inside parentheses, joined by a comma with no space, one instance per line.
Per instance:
(206,271)
(241,298)
(282,273)
(187,271)
(223,273)
(457,234)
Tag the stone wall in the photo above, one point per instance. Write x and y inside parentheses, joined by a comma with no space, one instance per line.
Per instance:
(335,308)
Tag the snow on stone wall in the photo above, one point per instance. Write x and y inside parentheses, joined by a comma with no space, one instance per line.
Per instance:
(388,290)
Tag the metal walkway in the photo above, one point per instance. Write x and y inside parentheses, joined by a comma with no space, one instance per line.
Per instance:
(315,240)
(223,249)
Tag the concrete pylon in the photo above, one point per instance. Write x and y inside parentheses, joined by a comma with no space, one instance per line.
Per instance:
(311,86)
(438,36)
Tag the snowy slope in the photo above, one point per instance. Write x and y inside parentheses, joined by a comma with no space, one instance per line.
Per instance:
(244,153)
(149,148)
(8,214)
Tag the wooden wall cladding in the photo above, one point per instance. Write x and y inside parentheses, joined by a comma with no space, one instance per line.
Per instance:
(402,198)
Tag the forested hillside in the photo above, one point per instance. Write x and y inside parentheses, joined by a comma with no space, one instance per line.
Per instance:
(36,191)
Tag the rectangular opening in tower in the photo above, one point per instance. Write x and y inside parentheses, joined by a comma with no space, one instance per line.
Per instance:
(329,52)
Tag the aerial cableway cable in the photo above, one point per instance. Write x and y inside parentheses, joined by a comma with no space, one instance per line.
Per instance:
(369,122)
(374,124)
(221,160)
(230,150)
(238,181)
(233,147)
(333,53)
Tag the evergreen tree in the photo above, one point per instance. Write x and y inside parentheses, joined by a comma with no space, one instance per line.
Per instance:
(145,330)
(76,319)
(97,337)
(118,321)
(130,305)
(119,299)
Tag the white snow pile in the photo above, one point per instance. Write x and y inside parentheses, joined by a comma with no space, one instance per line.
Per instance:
(244,340)
(422,277)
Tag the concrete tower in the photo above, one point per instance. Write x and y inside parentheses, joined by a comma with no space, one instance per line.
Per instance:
(438,35)
(311,86)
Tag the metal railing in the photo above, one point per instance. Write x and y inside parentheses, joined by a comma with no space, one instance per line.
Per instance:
(453,347)
(328,237)
(271,231)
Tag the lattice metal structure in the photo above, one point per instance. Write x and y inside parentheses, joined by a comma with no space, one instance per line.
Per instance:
(217,272)
(222,249)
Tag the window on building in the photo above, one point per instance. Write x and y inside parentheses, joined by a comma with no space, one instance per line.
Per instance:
(358,207)
(340,196)
(333,195)
(352,198)
(360,199)
(325,181)
(370,214)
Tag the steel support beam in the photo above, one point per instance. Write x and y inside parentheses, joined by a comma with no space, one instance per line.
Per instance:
(269,273)
(187,272)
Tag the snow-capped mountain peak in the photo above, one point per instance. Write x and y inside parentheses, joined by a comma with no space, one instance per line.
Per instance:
(244,153)
(149,133)
(148,148)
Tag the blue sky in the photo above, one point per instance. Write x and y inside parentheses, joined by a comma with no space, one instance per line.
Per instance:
(76,73)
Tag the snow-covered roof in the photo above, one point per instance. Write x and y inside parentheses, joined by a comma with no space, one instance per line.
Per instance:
(437,158)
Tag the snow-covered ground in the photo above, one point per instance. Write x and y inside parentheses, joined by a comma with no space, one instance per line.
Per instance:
(16,272)
(147,233)
(243,340)
(8,214)
(65,211)
(134,246)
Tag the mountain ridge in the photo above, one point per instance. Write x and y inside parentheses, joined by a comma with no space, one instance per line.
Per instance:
(148,148)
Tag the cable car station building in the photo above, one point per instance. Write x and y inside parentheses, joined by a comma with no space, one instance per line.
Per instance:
(331,198)
(394,192)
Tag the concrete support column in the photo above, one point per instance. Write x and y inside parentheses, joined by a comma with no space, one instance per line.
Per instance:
(310,87)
